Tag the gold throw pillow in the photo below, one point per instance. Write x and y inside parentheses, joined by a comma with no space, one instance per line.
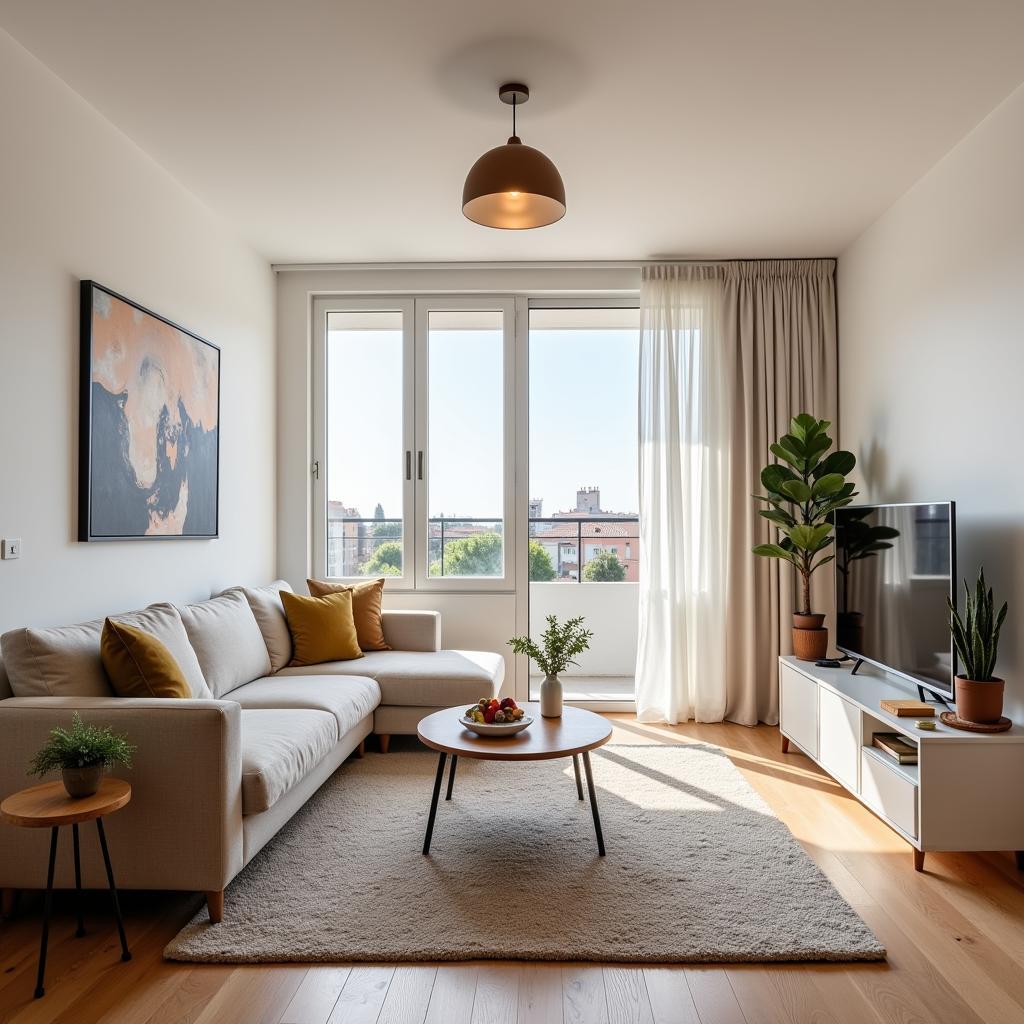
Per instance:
(366,600)
(322,628)
(139,665)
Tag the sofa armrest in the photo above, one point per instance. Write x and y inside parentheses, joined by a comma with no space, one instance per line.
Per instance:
(412,630)
(183,826)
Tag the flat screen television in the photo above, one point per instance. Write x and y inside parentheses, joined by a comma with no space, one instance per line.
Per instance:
(895,567)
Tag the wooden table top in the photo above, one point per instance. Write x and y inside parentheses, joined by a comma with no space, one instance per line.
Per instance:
(49,804)
(576,731)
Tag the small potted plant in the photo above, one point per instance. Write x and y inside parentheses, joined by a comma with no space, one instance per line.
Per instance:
(802,496)
(559,646)
(979,693)
(81,753)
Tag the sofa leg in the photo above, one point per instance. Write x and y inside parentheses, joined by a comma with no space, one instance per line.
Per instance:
(8,903)
(215,905)
(385,742)
(361,749)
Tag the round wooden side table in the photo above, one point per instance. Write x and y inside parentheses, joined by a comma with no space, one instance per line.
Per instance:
(49,806)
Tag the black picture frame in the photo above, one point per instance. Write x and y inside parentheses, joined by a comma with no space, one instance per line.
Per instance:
(90,519)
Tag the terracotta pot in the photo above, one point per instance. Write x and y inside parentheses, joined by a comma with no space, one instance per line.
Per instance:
(80,782)
(810,644)
(979,702)
(808,621)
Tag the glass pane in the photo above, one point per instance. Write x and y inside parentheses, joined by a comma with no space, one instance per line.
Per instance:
(465,486)
(365,454)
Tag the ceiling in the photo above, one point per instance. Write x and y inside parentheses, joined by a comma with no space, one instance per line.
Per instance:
(333,130)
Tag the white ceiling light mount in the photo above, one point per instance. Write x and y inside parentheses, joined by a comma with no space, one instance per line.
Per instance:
(513,186)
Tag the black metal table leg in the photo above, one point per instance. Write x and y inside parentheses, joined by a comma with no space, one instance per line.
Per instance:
(451,776)
(433,802)
(593,801)
(80,931)
(47,904)
(576,769)
(125,955)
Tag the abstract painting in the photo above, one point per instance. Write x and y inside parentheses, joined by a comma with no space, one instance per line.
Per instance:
(149,424)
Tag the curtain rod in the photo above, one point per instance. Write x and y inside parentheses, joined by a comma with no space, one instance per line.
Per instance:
(532,265)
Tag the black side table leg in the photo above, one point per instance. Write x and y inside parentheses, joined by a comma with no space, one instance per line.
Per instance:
(433,802)
(593,802)
(125,955)
(576,769)
(47,904)
(78,883)
(451,776)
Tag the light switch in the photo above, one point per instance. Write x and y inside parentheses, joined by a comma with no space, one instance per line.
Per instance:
(11,548)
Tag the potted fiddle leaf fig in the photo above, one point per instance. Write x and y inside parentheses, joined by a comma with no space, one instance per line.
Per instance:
(803,488)
(81,753)
(979,692)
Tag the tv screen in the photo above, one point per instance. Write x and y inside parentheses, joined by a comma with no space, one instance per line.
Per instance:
(895,567)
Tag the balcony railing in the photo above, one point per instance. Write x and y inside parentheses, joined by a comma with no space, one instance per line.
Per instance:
(358,547)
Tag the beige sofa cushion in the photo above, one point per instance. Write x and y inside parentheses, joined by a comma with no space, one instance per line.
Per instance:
(164,622)
(268,611)
(421,678)
(406,630)
(279,749)
(227,641)
(57,661)
(350,698)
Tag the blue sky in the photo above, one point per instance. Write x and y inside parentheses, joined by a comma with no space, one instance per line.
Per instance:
(582,405)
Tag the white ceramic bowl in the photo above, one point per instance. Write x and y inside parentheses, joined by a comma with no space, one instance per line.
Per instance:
(497,728)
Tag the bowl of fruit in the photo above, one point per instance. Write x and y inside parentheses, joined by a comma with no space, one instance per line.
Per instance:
(493,717)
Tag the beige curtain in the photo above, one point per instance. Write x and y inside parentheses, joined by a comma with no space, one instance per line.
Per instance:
(779,326)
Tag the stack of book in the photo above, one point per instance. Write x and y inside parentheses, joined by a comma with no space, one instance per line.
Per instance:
(896,747)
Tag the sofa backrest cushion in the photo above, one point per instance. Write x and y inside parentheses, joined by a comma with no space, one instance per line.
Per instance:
(56,661)
(227,641)
(5,683)
(163,621)
(268,611)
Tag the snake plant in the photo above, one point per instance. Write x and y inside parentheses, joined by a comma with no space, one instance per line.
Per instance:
(976,634)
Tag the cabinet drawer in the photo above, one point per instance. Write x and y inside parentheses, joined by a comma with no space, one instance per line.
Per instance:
(798,709)
(888,792)
(839,738)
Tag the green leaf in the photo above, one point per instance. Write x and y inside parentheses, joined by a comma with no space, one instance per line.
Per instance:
(787,456)
(774,475)
(819,444)
(794,444)
(782,519)
(828,485)
(805,425)
(841,462)
(797,490)
(808,538)
(773,551)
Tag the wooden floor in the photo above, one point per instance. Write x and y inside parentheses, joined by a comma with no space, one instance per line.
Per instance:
(955,936)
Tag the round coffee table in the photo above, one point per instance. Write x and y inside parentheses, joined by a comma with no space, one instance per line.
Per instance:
(573,735)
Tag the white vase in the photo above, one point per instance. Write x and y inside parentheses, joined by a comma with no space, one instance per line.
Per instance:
(551,697)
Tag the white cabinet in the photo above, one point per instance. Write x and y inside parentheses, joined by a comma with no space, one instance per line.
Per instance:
(798,709)
(839,734)
(888,792)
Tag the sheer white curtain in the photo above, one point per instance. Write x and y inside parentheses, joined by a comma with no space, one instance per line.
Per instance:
(684,506)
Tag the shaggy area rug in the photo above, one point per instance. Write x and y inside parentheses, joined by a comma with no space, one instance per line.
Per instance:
(698,869)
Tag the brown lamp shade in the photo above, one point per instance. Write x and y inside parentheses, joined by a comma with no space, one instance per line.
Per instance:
(514,187)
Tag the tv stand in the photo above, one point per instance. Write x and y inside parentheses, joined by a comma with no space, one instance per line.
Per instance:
(951,800)
(924,695)
(857,662)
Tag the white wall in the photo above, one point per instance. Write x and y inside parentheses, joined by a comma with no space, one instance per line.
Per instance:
(931,357)
(80,200)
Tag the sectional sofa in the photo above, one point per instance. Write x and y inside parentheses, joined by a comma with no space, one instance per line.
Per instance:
(215,777)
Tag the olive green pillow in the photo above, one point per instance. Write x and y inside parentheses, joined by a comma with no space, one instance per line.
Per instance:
(322,628)
(139,665)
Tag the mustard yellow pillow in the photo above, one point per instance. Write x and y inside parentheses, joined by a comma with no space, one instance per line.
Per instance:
(366,599)
(139,665)
(322,628)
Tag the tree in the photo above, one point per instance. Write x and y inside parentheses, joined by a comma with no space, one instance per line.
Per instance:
(378,512)
(479,555)
(382,529)
(385,561)
(541,569)
(604,567)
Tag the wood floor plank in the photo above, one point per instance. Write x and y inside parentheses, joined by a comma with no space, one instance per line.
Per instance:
(497,994)
(540,994)
(757,996)
(626,994)
(253,995)
(408,995)
(451,999)
(668,991)
(584,1000)
(712,996)
(363,995)
(186,1001)
(316,995)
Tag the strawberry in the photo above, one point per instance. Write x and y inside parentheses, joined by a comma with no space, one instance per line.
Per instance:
(489,715)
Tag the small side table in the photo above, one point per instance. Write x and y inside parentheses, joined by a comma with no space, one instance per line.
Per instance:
(49,806)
